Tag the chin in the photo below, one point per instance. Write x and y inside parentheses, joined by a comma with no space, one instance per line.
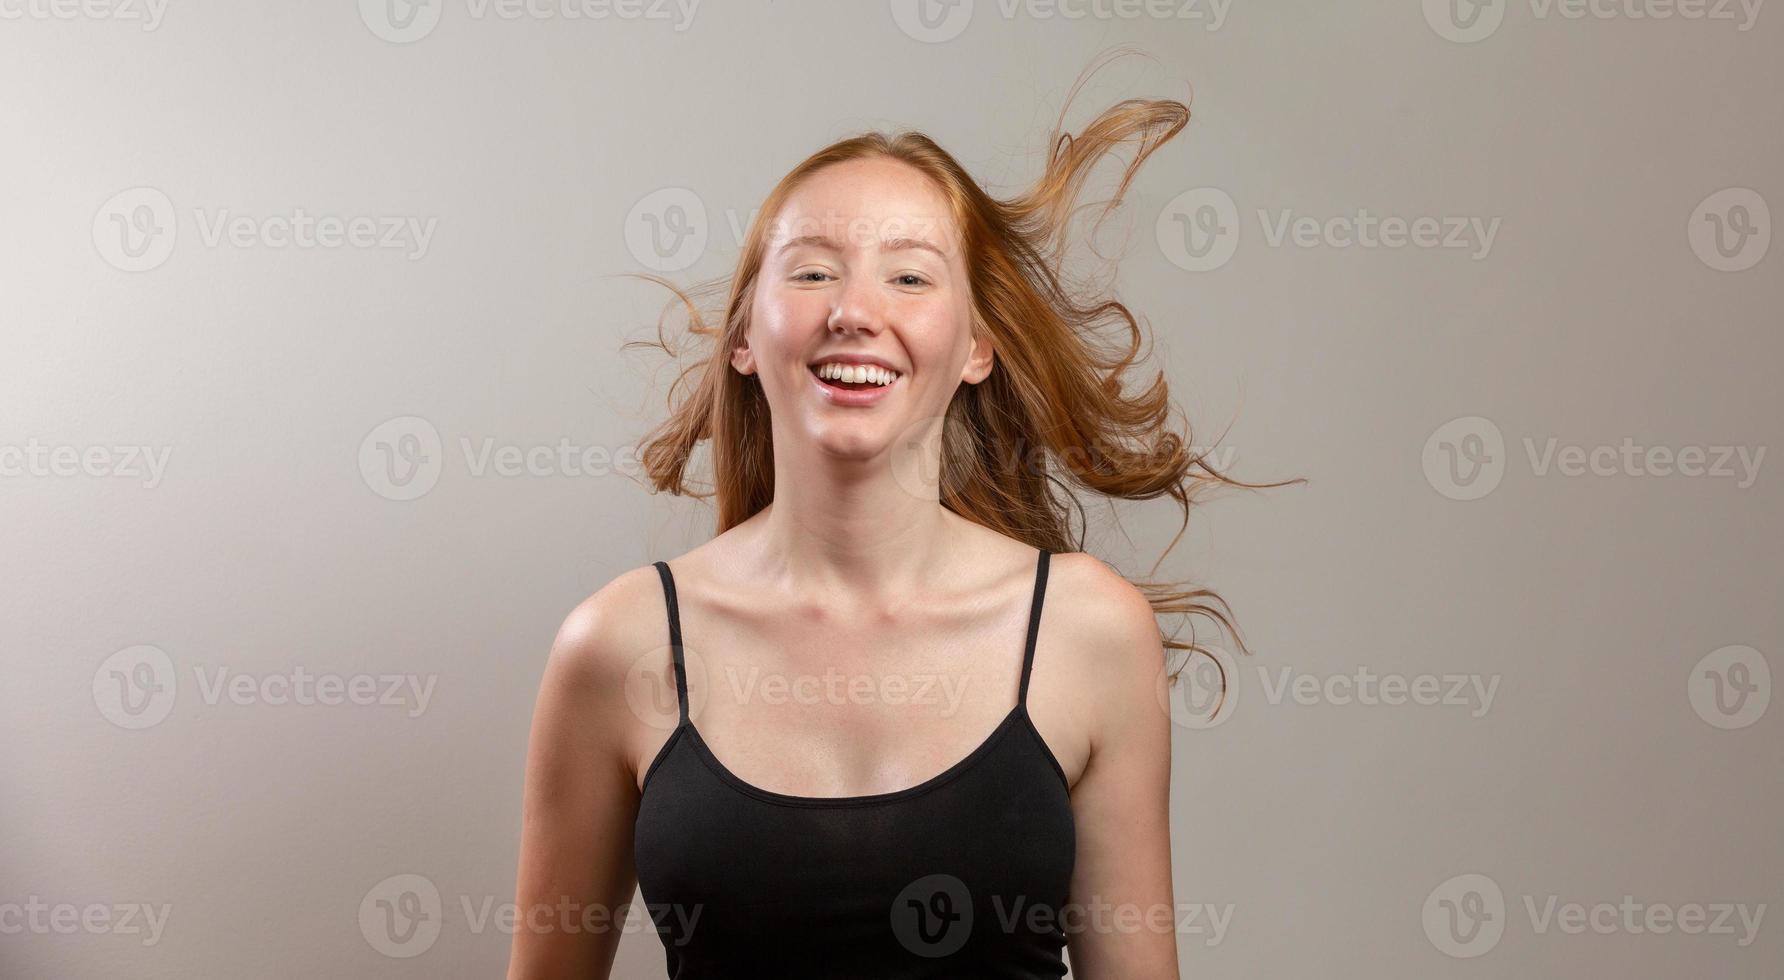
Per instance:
(858,442)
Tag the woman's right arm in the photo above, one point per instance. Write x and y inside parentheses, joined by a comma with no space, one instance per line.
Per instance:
(576,875)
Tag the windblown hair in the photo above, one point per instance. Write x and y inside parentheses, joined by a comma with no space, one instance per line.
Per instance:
(1053,417)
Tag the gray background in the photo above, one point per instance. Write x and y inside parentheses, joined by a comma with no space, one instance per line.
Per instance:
(1333,834)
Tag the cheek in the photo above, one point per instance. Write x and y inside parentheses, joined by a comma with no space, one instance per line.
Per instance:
(786,319)
(937,338)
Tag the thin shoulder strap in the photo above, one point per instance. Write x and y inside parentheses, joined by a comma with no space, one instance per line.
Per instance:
(1034,621)
(681,670)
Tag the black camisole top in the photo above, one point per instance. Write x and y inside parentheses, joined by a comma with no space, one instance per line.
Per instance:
(964,875)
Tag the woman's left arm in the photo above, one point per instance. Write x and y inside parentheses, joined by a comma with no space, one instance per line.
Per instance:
(1122,921)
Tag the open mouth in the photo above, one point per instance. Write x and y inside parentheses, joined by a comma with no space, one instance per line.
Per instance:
(854,377)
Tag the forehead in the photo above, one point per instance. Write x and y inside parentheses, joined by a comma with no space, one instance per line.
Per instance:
(863,204)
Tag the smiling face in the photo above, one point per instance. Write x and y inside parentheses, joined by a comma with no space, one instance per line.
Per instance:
(861,323)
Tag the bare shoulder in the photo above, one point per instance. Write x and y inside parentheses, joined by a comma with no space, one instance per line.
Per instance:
(603,634)
(1105,632)
(606,647)
(1103,622)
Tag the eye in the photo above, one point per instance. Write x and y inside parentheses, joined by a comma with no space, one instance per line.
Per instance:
(801,277)
(920,281)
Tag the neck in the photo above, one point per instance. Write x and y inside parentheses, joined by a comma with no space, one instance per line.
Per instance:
(852,526)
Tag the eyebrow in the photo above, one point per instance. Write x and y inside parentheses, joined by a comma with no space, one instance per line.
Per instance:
(891,244)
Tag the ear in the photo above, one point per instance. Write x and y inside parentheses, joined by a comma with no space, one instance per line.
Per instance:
(979,360)
(743,359)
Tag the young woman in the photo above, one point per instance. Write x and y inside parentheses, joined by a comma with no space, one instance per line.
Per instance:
(890,722)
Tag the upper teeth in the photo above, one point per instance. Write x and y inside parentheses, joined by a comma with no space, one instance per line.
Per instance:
(858,373)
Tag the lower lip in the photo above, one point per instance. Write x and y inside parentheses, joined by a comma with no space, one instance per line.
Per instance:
(853,398)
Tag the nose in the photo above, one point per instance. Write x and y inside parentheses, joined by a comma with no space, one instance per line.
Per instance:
(858,308)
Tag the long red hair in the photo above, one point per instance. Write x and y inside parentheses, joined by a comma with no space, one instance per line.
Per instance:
(1057,416)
